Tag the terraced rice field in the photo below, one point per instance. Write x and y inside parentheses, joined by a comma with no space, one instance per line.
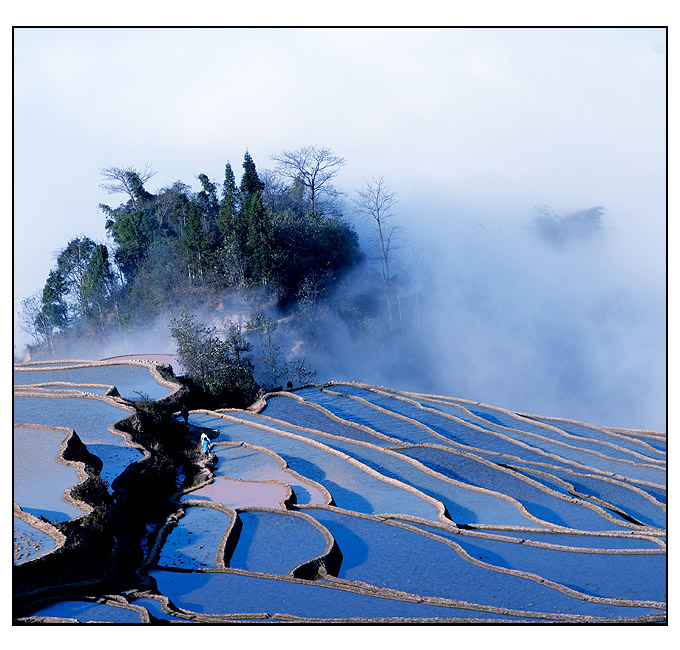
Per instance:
(51,401)
(357,503)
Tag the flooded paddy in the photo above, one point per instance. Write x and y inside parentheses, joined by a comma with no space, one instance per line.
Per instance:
(88,612)
(250,464)
(275,543)
(357,503)
(195,541)
(91,419)
(203,593)
(399,558)
(352,485)
(35,455)
(130,380)
(29,542)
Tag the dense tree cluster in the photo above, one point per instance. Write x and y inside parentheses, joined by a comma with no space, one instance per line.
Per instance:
(560,230)
(268,260)
(219,363)
(281,232)
(216,365)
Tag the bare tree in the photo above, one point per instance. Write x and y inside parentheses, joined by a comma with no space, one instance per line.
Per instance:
(34,321)
(274,191)
(376,200)
(127,180)
(29,314)
(313,167)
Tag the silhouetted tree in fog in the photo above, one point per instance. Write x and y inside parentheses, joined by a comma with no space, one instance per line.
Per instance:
(376,201)
(560,230)
(313,168)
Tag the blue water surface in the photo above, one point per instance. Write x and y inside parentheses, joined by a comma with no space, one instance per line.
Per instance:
(275,542)
(91,419)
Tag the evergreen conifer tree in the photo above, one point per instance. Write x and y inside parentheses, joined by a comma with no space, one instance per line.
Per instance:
(259,244)
(226,220)
(250,181)
(54,308)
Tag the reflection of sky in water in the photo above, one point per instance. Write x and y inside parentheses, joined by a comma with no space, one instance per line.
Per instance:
(252,465)
(155,608)
(463,505)
(619,496)
(381,422)
(591,460)
(291,410)
(573,539)
(63,388)
(374,552)
(598,574)
(383,554)
(86,612)
(127,379)
(90,418)
(275,543)
(539,503)
(241,494)
(350,487)
(39,480)
(396,427)
(641,446)
(205,593)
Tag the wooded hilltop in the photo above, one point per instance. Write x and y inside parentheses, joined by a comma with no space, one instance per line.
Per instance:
(278,241)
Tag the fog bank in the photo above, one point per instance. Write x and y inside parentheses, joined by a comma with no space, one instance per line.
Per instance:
(510,319)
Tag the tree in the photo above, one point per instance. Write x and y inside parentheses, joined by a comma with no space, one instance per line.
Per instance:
(72,263)
(32,319)
(53,306)
(561,230)
(313,168)
(270,351)
(208,206)
(265,230)
(231,259)
(210,361)
(259,243)
(310,291)
(231,263)
(236,341)
(170,208)
(376,201)
(300,372)
(309,246)
(98,283)
(250,181)
(44,312)
(128,180)
(193,243)
(229,206)
(131,225)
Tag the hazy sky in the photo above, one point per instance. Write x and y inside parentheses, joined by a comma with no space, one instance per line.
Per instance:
(567,117)
(470,126)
